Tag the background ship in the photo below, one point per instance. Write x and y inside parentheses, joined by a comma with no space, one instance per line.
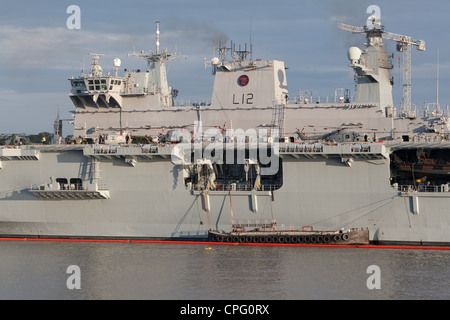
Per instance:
(347,163)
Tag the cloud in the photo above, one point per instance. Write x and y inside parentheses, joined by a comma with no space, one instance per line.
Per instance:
(27,47)
(31,112)
(57,48)
(47,48)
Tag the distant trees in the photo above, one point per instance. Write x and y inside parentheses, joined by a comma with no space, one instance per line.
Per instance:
(14,139)
(38,138)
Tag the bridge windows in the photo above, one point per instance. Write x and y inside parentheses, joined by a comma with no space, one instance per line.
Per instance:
(105,84)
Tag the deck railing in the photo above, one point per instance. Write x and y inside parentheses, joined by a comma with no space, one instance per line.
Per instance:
(239,187)
(423,188)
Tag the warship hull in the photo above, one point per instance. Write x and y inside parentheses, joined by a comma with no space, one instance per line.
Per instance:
(334,173)
(148,198)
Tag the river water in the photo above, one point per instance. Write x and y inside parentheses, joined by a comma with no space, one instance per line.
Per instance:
(39,270)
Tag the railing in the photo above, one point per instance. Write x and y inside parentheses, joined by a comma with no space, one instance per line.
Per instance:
(149,149)
(192,103)
(68,187)
(301,147)
(316,147)
(105,149)
(423,188)
(114,149)
(361,147)
(239,187)
(240,224)
(103,187)
(37,187)
(65,186)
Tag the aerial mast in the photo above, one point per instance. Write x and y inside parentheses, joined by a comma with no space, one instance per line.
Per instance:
(157,36)
(152,58)
(437,80)
(404,43)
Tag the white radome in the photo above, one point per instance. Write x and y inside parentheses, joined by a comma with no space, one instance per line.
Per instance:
(214,61)
(117,62)
(354,54)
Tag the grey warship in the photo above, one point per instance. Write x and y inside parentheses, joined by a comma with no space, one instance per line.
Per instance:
(251,155)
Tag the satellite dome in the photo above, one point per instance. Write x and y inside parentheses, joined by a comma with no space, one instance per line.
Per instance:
(215,61)
(117,62)
(354,54)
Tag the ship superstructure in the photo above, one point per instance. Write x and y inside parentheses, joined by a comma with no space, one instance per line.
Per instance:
(106,103)
(254,94)
(253,156)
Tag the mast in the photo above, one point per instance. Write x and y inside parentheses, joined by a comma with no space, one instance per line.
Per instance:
(157,70)
(375,33)
(157,36)
(437,80)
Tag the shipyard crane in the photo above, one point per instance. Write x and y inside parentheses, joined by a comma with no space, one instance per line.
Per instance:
(404,44)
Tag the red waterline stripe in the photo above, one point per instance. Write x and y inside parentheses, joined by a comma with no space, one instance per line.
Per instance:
(349,246)
(229,243)
(110,240)
(404,247)
(345,246)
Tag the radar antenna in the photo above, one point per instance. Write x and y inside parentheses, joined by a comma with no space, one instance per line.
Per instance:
(96,69)
(151,58)
(242,54)
(237,55)
(223,51)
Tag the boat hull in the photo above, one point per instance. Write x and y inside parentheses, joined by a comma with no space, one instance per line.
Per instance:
(150,199)
(342,237)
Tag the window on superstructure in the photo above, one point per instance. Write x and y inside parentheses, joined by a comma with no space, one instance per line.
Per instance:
(63,183)
(76,184)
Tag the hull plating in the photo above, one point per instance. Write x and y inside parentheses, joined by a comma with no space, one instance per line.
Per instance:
(151,200)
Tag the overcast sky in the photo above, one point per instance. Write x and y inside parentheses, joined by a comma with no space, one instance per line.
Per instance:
(38,53)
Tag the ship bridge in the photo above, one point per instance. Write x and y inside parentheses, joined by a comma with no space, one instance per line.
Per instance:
(95,89)
(102,101)
(99,92)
